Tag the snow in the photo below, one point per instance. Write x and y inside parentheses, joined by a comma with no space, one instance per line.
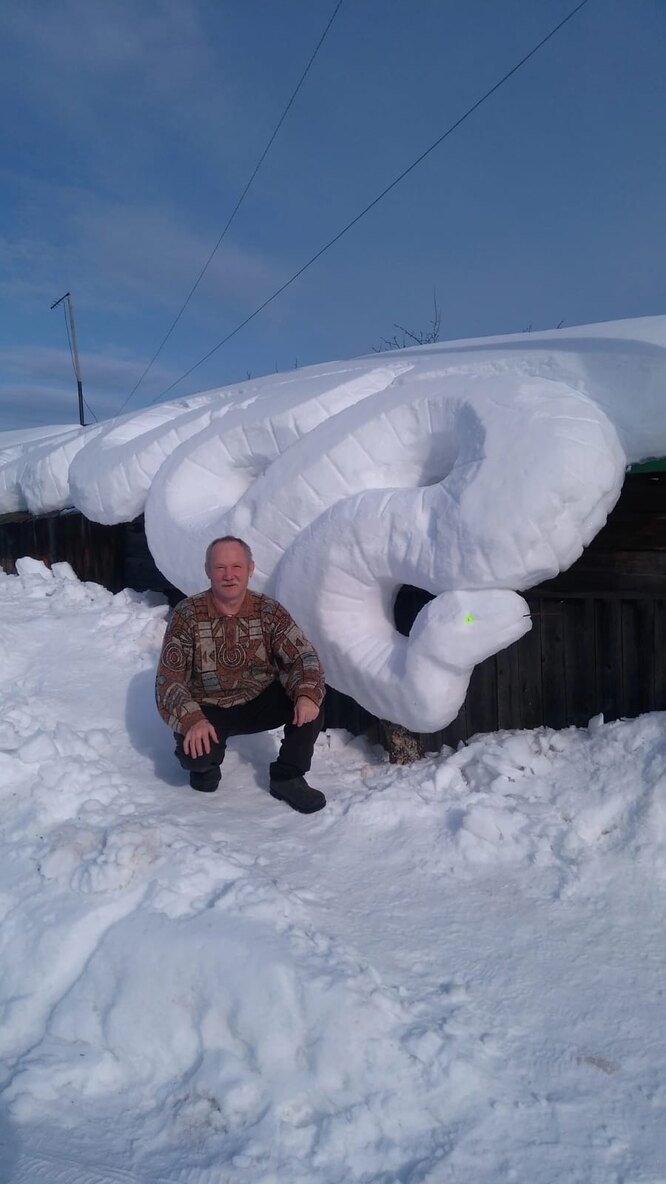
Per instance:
(473,470)
(15,445)
(454,972)
(118,467)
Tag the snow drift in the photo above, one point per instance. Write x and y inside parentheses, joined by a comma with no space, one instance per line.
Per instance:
(452,974)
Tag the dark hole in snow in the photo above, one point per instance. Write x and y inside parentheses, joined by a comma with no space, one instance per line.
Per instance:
(407,605)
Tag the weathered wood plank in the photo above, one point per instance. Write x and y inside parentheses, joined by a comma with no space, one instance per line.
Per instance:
(579,660)
(637,656)
(552,664)
(659,652)
(529,664)
(510,698)
(610,694)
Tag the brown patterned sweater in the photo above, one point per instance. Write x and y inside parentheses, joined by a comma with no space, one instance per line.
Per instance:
(224,661)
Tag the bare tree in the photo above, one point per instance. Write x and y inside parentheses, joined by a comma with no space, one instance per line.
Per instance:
(411,337)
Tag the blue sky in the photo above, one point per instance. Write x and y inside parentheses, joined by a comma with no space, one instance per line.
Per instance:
(130,129)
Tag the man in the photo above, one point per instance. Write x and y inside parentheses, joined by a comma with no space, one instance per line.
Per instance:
(234,662)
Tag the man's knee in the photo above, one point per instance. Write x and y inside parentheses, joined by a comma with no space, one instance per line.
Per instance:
(191,763)
(315,726)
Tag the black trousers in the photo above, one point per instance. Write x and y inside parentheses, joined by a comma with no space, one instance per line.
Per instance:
(271,709)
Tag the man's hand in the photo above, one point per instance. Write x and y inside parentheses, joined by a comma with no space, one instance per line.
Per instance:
(305,710)
(198,738)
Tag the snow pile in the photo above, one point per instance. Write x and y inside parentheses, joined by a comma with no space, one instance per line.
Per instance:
(472,469)
(453,973)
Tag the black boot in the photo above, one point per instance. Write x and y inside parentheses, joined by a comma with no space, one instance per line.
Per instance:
(298,794)
(207,780)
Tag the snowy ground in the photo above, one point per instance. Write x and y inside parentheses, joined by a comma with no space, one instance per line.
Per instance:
(454,973)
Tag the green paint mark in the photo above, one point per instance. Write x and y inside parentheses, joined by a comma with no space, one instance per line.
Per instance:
(468,619)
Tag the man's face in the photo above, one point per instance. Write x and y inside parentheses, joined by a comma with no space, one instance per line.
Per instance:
(229,571)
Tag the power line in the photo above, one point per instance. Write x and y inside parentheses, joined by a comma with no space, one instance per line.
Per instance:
(236,208)
(370,206)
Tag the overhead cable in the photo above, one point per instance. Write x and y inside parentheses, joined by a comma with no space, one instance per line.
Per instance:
(236,208)
(377,199)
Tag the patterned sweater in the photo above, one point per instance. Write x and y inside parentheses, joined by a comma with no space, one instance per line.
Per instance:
(225,661)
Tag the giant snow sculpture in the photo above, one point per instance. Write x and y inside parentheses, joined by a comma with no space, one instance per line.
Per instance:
(471,469)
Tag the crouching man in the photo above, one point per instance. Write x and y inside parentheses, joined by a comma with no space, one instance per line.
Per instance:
(234,662)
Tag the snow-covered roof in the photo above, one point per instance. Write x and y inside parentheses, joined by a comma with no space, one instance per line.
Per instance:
(473,469)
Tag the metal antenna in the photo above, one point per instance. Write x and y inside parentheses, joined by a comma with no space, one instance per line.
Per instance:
(74,352)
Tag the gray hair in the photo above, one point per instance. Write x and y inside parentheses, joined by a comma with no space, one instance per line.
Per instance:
(227,538)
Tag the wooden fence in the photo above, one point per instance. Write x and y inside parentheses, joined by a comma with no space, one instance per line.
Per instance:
(115,556)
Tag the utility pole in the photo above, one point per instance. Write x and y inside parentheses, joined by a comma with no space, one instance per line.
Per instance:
(74,351)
